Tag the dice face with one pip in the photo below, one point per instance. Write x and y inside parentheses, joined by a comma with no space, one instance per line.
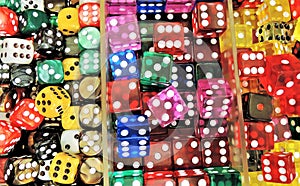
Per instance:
(278,167)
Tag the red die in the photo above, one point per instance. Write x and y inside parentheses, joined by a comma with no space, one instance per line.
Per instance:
(186,153)
(282,75)
(215,152)
(251,64)
(168,38)
(209,17)
(295,8)
(9,22)
(206,49)
(282,130)
(159,158)
(124,95)
(259,135)
(192,177)
(159,178)
(9,136)
(211,128)
(2,169)
(26,115)
(188,54)
(89,14)
(278,167)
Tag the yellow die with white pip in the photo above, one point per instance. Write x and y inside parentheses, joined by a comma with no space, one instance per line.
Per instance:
(68,22)
(71,69)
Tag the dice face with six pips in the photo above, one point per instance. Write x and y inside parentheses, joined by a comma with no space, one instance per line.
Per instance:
(170,92)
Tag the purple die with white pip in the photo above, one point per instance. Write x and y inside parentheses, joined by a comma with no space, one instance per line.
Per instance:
(121,7)
(167,106)
(214,98)
(179,6)
(123,33)
(282,130)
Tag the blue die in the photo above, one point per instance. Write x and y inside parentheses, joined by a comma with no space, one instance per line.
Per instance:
(124,65)
(151,7)
(133,136)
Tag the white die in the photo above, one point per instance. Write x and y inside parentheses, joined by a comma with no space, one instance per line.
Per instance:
(32,4)
(15,50)
(69,141)
(44,170)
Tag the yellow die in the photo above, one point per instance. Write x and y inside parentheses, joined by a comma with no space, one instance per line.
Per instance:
(273,10)
(269,47)
(249,17)
(64,168)
(52,101)
(71,69)
(70,118)
(256,178)
(68,22)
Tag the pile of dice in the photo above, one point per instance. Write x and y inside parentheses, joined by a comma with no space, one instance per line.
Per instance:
(171,92)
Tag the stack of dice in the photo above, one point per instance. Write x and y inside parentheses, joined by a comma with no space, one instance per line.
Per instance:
(267,41)
(170,106)
(50,88)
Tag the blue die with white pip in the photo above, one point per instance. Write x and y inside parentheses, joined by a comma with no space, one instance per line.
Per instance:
(133,136)
(151,6)
(124,65)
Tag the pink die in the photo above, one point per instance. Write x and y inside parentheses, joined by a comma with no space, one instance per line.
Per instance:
(179,6)
(167,106)
(214,98)
(123,33)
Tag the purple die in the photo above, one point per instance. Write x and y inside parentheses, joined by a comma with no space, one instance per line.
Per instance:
(167,106)
(211,128)
(123,33)
(179,6)
(121,7)
(214,98)
(282,130)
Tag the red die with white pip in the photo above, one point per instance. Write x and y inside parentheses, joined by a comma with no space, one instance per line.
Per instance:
(25,115)
(215,152)
(278,167)
(206,49)
(214,98)
(168,38)
(9,22)
(251,64)
(282,130)
(186,153)
(295,8)
(89,14)
(192,177)
(160,157)
(211,128)
(259,135)
(209,17)
(159,178)
(9,136)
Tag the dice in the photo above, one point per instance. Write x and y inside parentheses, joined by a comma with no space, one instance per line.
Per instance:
(215,152)
(159,178)
(282,130)
(123,33)
(167,106)
(15,50)
(206,50)
(64,168)
(25,115)
(9,27)
(44,170)
(54,6)
(164,43)
(192,177)
(90,143)
(34,4)
(68,21)
(69,141)
(278,167)
(91,170)
(9,136)
(89,62)
(50,72)
(156,68)
(128,177)
(133,136)
(31,20)
(220,175)
(89,38)
(89,14)
(71,69)
(186,153)
(183,77)
(124,95)
(21,75)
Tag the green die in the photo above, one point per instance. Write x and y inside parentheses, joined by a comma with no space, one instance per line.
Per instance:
(89,38)
(14,5)
(50,72)
(53,20)
(156,68)
(126,178)
(89,62)
(223,176)
(30,21)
